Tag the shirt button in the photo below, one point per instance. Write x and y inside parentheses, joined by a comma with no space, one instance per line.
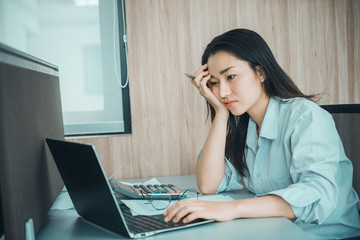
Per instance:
(257,174)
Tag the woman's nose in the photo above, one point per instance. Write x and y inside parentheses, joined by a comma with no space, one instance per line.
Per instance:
(224,90)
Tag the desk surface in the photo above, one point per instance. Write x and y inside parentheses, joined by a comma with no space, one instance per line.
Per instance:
(67,224)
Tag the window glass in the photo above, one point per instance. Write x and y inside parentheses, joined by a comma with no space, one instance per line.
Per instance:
(82,38)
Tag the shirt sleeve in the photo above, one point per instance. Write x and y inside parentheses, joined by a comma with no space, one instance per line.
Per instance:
(314,144)
(231,179)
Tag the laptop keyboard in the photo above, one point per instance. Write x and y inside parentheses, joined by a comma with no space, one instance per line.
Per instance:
(140,223)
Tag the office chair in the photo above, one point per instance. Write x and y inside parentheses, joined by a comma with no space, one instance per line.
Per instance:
(347,120)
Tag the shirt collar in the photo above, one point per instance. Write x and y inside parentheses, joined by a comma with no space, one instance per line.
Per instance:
(251,136)
(269,128)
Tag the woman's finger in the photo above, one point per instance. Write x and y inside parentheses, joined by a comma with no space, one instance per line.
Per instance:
(199,74)
(171,212)
(199,77)
(204,81)
(189,211)
(203,87)
(191,217)
(185,210)
(201,69)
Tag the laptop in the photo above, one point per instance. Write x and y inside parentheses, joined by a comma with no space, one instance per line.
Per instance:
(93,197)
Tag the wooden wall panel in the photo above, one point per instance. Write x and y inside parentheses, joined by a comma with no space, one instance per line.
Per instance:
(316,42)
(353,50)
(114,152)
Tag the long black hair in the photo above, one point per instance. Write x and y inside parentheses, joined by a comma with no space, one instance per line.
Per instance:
(249,46)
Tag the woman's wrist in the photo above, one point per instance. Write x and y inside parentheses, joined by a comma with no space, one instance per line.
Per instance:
(238,209)
(222,113)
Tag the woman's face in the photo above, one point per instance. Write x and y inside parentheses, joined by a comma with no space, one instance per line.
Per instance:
(235,83)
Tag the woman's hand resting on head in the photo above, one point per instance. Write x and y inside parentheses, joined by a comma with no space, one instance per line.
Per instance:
(201,81)
(191,210)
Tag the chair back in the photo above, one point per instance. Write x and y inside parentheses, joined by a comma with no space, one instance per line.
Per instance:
(347,120)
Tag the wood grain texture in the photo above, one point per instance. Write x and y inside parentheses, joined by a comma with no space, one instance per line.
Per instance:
(315,41)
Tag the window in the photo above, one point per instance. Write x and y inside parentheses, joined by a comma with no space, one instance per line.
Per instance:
(84,38)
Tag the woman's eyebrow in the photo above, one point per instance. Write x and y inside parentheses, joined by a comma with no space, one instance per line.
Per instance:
(223,71)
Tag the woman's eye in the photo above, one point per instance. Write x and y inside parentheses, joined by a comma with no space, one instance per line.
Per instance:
(213,83)
(230,77)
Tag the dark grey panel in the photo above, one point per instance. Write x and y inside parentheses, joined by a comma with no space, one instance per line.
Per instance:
(30,111)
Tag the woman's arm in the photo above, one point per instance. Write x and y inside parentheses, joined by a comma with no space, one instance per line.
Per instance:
(210,166)
(266,206)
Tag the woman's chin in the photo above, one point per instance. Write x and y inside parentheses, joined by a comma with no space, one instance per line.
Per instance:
(237,112)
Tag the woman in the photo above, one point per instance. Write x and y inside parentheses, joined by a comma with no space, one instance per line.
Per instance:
(282,146)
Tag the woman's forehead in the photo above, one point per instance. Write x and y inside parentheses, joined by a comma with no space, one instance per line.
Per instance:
(221,61)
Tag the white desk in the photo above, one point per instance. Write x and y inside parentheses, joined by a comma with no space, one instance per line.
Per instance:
(66,224)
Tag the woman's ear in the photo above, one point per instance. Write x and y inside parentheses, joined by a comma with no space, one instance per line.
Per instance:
(261,73)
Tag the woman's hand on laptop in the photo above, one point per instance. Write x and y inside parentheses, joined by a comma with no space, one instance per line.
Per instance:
(191,210)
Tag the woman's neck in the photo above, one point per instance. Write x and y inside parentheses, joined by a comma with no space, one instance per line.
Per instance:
(258,111)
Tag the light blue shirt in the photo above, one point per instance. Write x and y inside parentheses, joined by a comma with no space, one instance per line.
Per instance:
(299,156)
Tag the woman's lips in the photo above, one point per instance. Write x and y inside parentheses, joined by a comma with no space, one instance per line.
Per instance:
(229,103)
